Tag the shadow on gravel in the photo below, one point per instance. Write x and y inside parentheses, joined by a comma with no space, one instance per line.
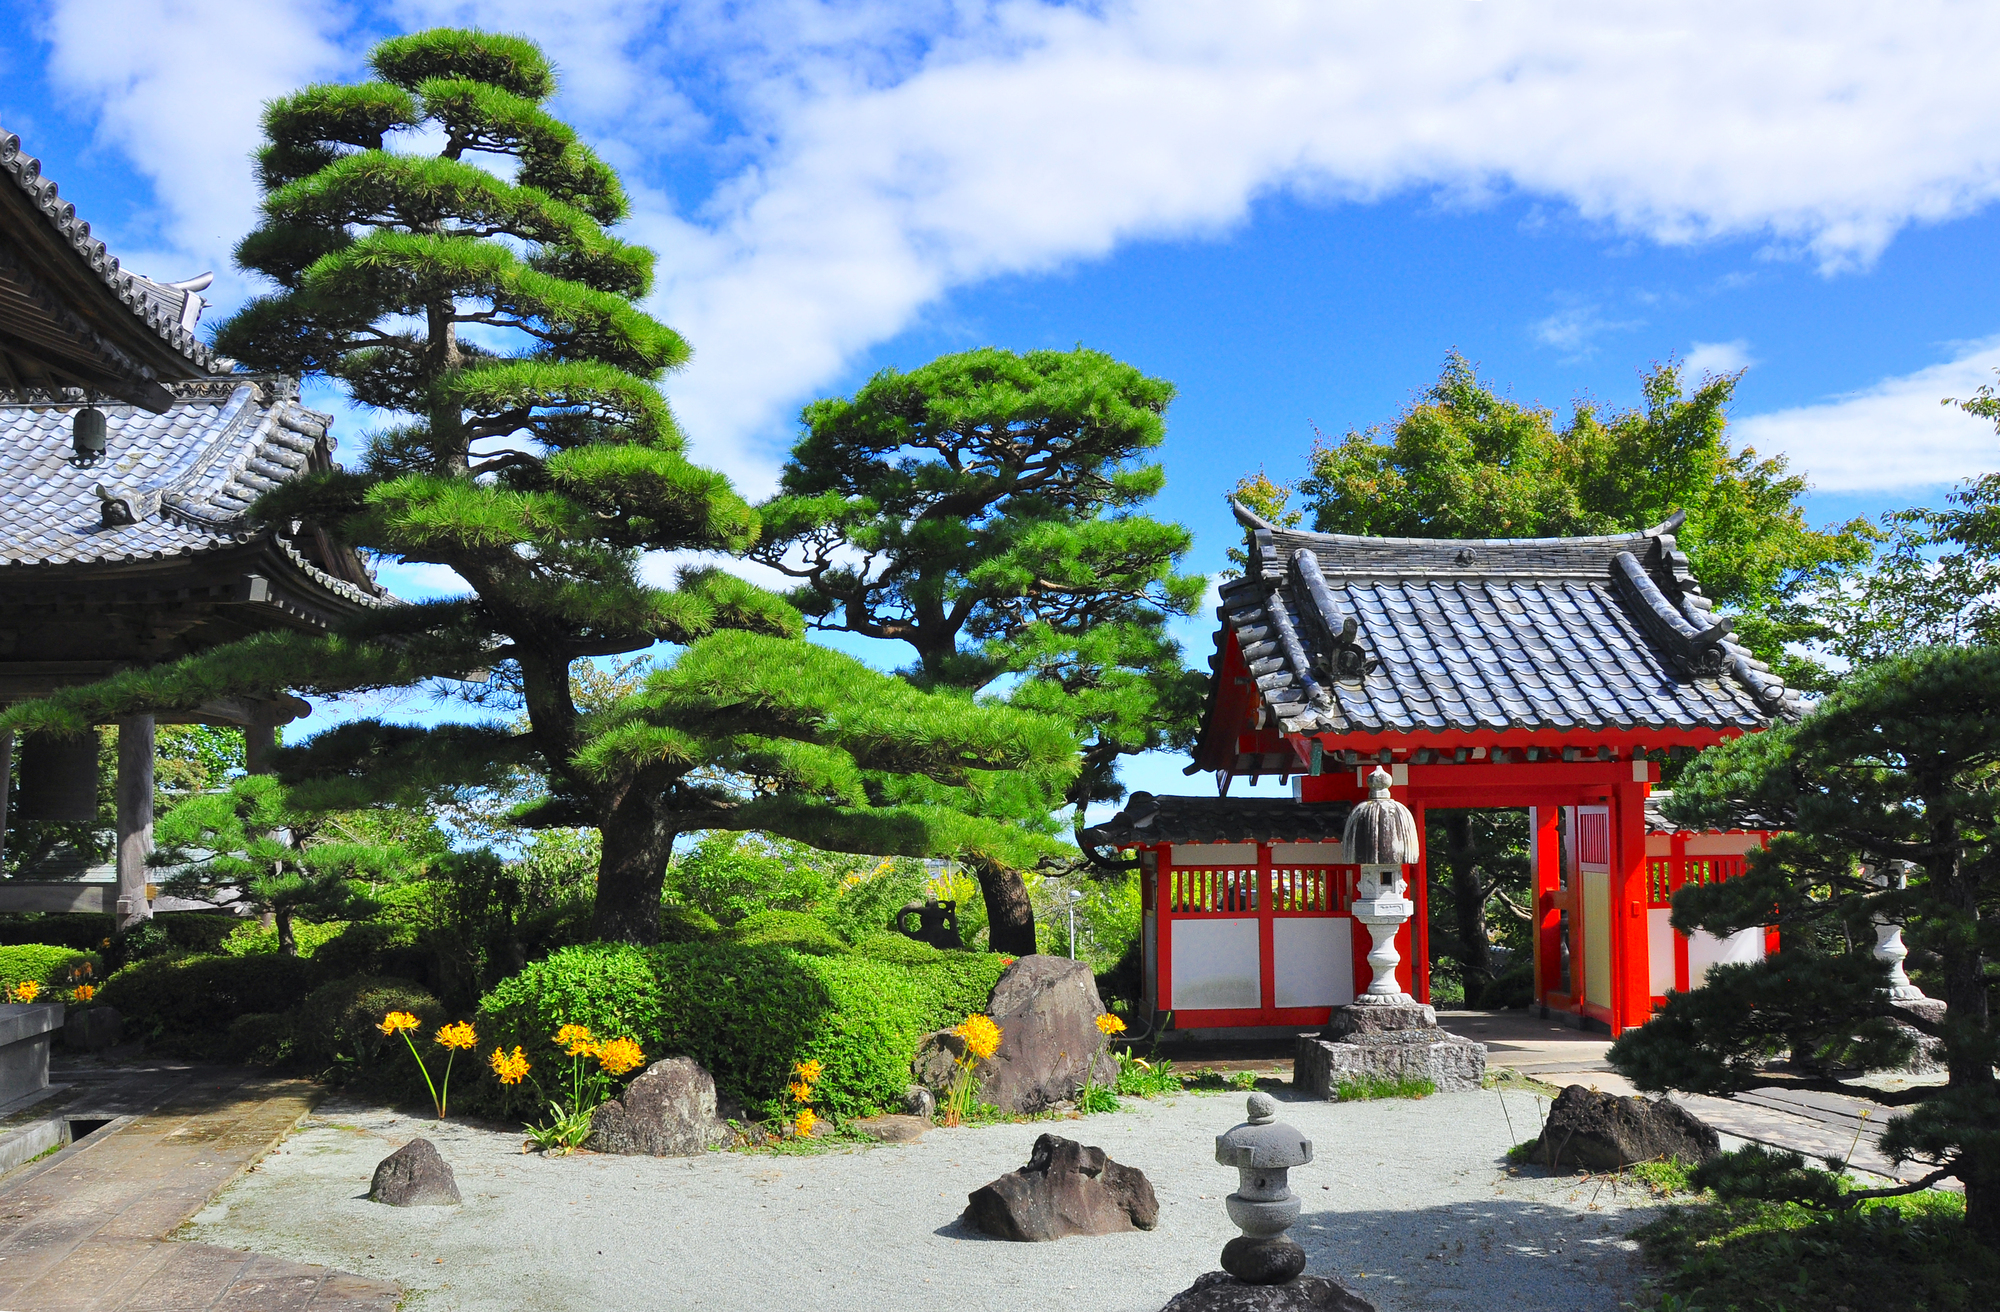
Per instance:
(1506,1253)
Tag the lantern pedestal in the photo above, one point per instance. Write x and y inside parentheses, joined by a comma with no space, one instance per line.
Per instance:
(1371,1043)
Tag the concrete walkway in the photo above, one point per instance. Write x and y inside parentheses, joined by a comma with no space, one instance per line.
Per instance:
(87,1228)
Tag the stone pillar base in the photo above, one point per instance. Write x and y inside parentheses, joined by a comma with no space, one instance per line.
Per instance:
(1386,1043)
(1929,1056)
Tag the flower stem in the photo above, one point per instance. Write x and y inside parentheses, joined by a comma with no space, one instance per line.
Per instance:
(408,1042)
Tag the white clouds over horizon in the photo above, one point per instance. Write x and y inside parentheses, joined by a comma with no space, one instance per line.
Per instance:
(1894,435)
(868,159)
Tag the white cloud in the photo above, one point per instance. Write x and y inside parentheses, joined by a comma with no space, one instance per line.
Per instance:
(1716,359)
(1893,435)
(1575,328)
(860,159)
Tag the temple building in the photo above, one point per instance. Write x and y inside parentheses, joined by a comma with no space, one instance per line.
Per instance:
(1549,674)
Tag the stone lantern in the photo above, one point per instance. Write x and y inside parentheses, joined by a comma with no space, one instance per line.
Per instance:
(1263,1150)
(1381,838)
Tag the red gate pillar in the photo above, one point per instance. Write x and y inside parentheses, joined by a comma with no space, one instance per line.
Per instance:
(1631,990)
(1548,916)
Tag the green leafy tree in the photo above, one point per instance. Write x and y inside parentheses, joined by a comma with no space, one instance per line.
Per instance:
(1899,768)
(1936,581)
(246,846)
(1466,461)
(476,294)
(984,510)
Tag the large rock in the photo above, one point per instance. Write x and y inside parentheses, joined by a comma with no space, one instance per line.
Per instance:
(1386,1042)
(891,1129)
(1047,1010)
(1604,1132)
(1929,1058)
(92,1029)
(667,1112)
(1218,1291)
(414,1176)
(1065,1189)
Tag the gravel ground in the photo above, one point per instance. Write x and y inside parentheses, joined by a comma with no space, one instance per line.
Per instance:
(1409,1201)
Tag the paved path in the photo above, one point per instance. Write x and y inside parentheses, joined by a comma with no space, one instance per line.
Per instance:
(1818,1125)
(85,1230)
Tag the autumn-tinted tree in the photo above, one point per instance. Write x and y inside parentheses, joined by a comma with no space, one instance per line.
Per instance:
(985,510)
(439,244)
(1898,769)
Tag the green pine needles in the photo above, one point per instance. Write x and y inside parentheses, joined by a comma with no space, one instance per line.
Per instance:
(439,244)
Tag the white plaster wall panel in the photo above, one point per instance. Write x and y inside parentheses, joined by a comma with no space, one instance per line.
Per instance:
(1306,854)
(1659,844)
(1597,937)
(1149,958)
(1216,964)
(1186,855)
(1660,949)
(1312,961)
(1706,951)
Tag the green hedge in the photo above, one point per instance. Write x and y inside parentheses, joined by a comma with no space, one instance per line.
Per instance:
(49,966)
(187,1004)
(789,929)
(82,930)
(746,1011)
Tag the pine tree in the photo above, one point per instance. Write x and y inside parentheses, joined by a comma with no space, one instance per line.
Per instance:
(984,510)
(245,846)
(494,312)
(1897,769)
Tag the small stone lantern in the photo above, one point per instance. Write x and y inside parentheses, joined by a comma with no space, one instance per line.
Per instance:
(1381,838)
(1263,1150)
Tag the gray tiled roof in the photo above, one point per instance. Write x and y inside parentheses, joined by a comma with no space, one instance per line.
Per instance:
(1657,822)
(150,324)
(185,477)
(1348,634)
(1147,819)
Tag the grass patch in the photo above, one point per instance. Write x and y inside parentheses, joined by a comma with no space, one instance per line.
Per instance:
(1665,1177)
(1907,1254)
(1208,1080)
(1139,1078)
(1366,1088)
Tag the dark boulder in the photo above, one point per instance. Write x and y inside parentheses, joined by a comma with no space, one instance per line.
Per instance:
(669,1111)
(1065,1189)
(1047,1010)
(92,1029)
(1604,1132)
(1218,1291)
(414,1176)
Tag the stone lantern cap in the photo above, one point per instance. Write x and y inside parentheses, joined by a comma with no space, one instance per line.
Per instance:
(1380,831)
(1263,1143)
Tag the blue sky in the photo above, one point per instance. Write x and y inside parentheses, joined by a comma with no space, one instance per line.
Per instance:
(1292,211)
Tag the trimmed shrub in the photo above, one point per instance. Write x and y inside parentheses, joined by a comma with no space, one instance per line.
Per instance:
(187,1004)
(685,924)
(370,947)
(49,966)
(263,1038)
(789,929)
(338,1030)
(888,945)
(83,930)
(746,1011)
(955,986)
(248,938)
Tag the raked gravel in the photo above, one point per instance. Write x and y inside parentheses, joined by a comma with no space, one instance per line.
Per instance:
(1409,1201)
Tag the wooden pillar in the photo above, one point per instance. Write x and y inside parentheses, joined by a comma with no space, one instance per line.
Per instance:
(135,817)
(1631,987)
(260,739)
(1677,875)
(6,782)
